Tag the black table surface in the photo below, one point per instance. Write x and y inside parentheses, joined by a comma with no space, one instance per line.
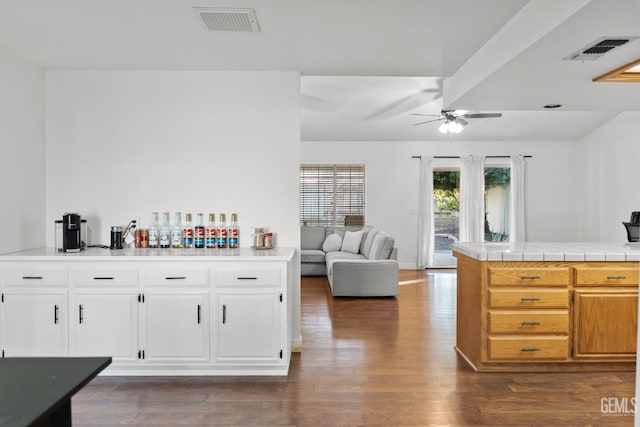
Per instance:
(33,387)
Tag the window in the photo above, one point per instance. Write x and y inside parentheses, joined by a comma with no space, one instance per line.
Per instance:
(332,195)
(497,203)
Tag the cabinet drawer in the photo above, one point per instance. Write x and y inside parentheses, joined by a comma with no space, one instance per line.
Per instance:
(33,275)
(103,275)
(623,276)
(529,321)
(247,276)
(528,348)
(528,298)
(529,277)
(175,275)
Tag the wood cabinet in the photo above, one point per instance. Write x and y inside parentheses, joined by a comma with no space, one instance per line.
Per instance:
(160,316)
(539,316)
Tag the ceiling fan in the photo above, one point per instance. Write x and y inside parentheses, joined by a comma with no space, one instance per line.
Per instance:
(454,120)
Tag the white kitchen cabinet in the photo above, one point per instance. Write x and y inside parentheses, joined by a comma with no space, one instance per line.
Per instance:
(155,312)
(176,327)
(249,326)
(34,323)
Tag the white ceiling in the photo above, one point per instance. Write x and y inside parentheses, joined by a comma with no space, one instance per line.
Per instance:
(366,64)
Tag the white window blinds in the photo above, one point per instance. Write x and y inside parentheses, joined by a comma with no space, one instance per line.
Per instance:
(332,195)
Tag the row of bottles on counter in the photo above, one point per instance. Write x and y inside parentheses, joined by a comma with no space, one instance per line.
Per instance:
(164,234)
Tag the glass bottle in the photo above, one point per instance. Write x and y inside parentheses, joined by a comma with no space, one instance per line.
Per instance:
(198,232)
(176,231)
(165,231)
(221,232)
(234,232)
(187,232)
(154,231)
(210,232)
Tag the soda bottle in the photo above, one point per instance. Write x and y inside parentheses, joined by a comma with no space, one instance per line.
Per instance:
(198,232)
(210,232)
(234,232)
(187,232)
(221,232)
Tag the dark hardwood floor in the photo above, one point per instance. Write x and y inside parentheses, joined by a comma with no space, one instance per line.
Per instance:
(367,362)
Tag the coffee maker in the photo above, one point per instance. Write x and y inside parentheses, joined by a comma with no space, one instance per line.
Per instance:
(70,232)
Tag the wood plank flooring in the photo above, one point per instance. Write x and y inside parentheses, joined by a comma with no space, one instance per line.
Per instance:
(367,362)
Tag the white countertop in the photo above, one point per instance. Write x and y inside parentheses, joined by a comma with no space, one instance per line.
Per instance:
(133,254)
(551,251)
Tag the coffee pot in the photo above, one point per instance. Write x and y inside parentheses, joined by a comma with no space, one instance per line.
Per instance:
(69,233)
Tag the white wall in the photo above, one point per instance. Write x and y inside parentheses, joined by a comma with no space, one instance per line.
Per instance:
(392,183)
(608,177)
(22,155)
(124,144)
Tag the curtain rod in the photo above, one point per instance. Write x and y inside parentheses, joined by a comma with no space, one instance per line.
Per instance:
(457,157)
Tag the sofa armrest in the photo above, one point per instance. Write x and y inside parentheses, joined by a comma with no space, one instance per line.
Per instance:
(364,277)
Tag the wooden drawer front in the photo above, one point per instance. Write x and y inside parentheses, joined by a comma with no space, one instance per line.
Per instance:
(528,298)
(529,277)
(606,277)
(528,348)
(247,276)
(102,275)
(529,321)
(32,274)
(175,275)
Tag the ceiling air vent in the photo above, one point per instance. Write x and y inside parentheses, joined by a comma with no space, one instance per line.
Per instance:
(224,19)
(598,48)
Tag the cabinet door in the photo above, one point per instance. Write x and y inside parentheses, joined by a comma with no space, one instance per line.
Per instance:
(248,327)
(176,327)
(34,324)
(105,324)
(605,323)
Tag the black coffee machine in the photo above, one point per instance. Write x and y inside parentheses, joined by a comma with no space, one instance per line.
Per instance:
(71,233)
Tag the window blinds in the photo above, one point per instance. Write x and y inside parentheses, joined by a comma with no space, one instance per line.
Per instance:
(332,195)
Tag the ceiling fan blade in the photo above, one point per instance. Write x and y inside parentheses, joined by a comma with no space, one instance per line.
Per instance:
(429,115)
(463,122)
(429,121)
(480,115)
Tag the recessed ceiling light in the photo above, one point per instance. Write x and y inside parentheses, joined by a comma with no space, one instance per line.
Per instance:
(551,106)
(626,73)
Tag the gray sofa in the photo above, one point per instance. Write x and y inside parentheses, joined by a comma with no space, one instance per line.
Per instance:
(370,269)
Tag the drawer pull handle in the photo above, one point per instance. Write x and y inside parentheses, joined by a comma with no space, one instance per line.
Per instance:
(532,299)
(247,278)
(55,314)
(529,277)
(103,278)
(81,313)
(32,277)
(198,314)
(529,349)
(616,277)
(175,278)
(224,314)
(529,323)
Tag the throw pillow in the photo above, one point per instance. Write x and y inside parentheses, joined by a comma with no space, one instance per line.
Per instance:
(368,242)
(333,242)
(351,241)
(381,247)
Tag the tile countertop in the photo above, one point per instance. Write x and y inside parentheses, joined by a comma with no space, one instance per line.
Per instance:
(133,254)
(552,251)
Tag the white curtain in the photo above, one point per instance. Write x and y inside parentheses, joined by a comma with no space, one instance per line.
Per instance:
(517,220)
(425,213)
(472,199)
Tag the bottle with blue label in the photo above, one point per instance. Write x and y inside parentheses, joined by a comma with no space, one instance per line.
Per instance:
(221,232)
(210,232)
(233,234)
(198,232)
(187,232)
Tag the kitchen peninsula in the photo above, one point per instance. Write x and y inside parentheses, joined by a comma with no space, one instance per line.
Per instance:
(547,306)
(154,311)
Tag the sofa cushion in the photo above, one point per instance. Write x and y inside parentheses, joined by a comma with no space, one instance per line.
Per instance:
(333,242)
(381,247)
(366,230)
(368,241)
(311,237)
(340,255)
(312,255)
(351,241)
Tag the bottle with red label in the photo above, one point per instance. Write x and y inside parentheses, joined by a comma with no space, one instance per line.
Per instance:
(210,232)
(187,232)
(198,232)
(221,232)
(234,232)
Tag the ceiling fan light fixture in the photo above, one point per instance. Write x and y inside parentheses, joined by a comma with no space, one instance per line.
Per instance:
(451,126)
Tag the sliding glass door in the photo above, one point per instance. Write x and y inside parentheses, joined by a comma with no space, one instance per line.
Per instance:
(446,214)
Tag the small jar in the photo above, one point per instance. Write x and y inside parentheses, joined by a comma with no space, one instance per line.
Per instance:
(258,238)
(144,238)
(268,240)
